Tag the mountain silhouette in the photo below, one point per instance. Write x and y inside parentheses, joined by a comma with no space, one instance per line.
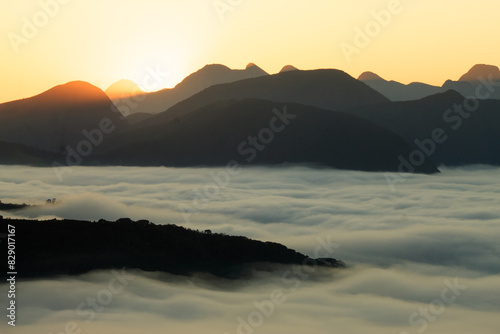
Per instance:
(288,68)
(470,139)
(470,83)
(216,74)
(481,70)
(123,89)
(72,247)
(56,118)
(466,85)
(218,133)
(327,89)
(255,70)
(396,91)
(156,102)
(369,76)
(207,128)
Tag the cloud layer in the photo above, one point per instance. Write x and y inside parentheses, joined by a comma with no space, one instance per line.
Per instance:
(404,248)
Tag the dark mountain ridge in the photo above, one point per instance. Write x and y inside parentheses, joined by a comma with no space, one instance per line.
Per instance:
(472,137)
(222,131)
(56,118)
(326,89)
(71,247)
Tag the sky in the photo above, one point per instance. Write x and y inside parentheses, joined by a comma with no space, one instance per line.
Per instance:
(49,42)
(402,248)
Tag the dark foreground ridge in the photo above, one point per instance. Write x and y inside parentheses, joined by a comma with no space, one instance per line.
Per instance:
(71,247)
(9,206)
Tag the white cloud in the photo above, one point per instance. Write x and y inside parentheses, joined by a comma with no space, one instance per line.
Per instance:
(401,246)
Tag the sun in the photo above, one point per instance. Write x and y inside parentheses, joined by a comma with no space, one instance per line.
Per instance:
(152,62)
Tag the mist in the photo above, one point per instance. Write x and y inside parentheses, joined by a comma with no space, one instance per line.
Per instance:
(403,248)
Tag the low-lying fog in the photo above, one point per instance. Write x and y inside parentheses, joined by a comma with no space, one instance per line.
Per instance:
(422,258)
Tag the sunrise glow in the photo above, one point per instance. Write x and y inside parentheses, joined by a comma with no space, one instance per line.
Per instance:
(102,42)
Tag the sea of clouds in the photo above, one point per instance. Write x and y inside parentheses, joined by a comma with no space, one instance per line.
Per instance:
(422,258)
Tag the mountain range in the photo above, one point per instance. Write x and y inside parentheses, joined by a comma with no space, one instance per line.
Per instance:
(469,137)
(217,115)
(220,132)
(466,85)
(327,89)
(156,102)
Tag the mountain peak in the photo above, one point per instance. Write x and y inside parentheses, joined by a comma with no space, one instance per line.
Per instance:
(213,74)
(255,70)
(288,68)
(76,91)
(123,88)
(369,76)
(215,67)
(54,119)
(77,84)
(481,70)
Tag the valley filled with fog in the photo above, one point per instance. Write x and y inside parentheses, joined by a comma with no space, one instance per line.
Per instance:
(421,257)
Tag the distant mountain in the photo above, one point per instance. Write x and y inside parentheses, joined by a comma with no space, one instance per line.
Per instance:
(71,247)
(327,89)
(255,70)
(466,85)
(341,122)
(288,68)
(56,118)
(370,76)
(471,137)
(156,102)
(123,89)
(218,133)
(481,70)
(396,91)
(215,74)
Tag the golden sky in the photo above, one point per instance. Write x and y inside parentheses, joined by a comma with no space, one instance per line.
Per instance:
(49,42)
